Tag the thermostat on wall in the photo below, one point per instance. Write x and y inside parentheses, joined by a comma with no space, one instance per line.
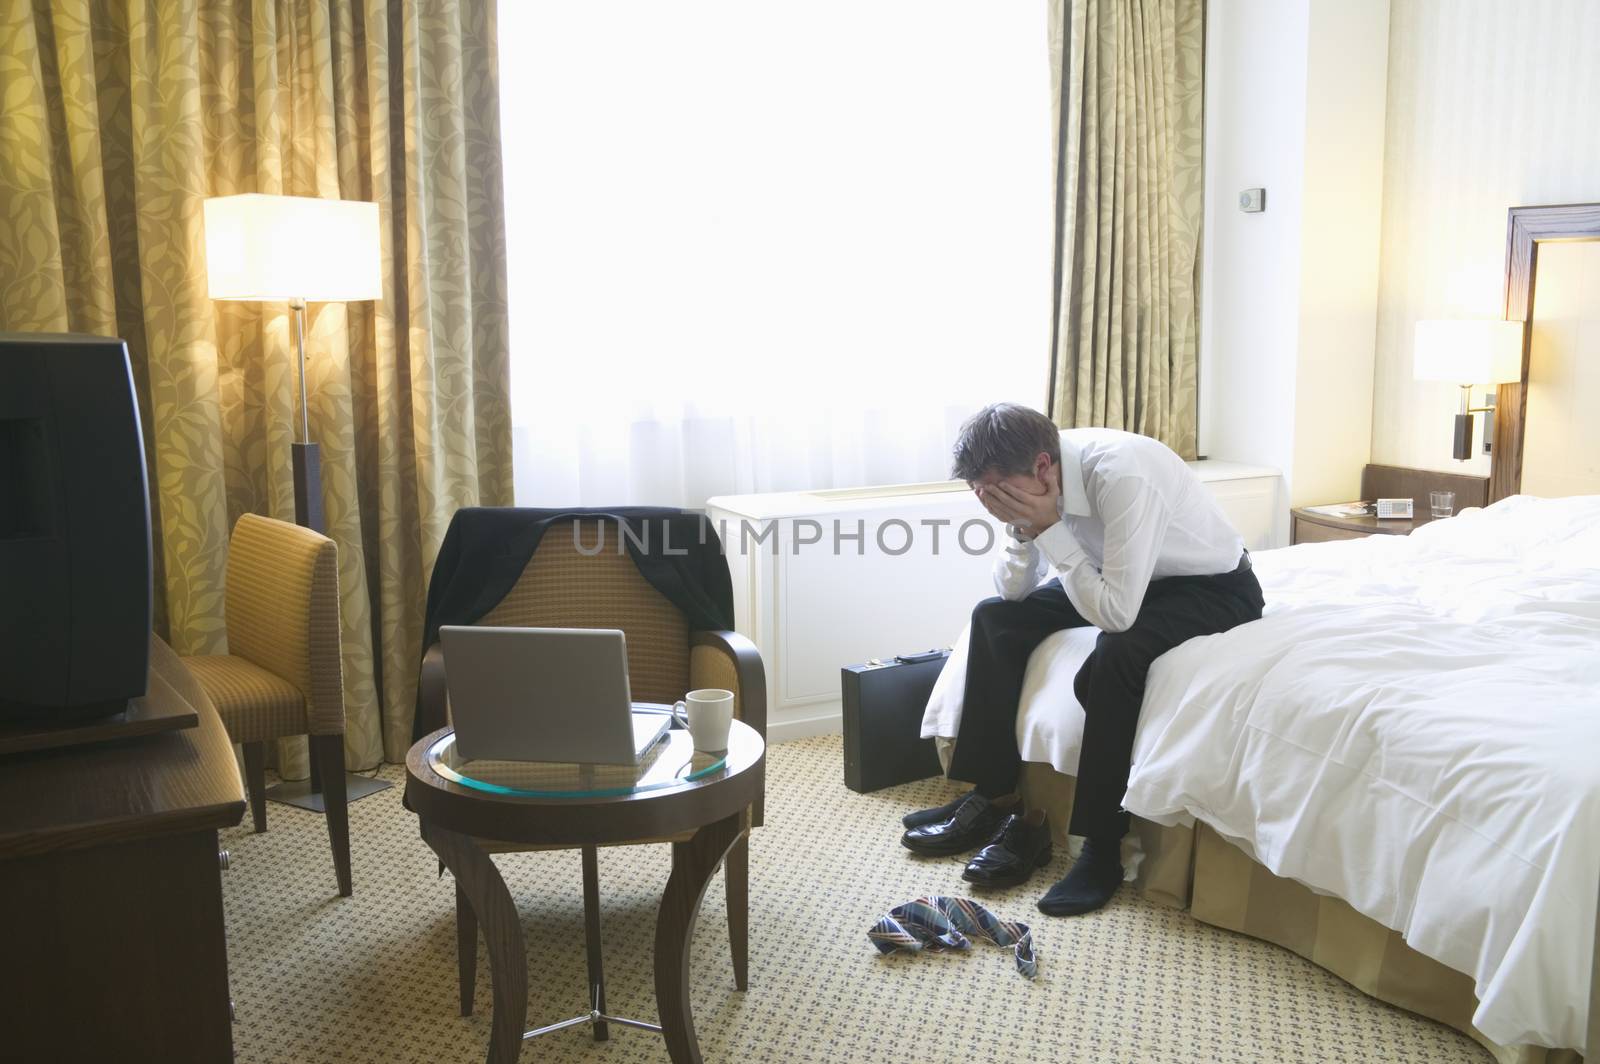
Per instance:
(1392,508)
(1253,200)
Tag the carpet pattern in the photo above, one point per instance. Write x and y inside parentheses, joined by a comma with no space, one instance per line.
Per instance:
(317,978)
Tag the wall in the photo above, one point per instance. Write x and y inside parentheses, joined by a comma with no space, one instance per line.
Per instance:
(1295,98)
(1255,137)
(1491,106)
(1346,79)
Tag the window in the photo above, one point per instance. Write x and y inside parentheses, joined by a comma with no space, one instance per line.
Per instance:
(766,247)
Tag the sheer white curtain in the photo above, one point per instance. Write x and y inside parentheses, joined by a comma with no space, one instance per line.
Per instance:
(756,246)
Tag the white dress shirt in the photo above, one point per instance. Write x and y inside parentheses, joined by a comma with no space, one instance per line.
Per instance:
(1131,512)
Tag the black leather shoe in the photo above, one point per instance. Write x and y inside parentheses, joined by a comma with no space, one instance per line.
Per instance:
(971,825)
(924,817)
(1021,845)
(1094,878)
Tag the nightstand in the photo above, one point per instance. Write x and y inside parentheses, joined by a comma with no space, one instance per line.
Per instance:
(1308,527)
(1389,482)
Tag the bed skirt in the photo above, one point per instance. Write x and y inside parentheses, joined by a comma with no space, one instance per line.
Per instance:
(1231,890)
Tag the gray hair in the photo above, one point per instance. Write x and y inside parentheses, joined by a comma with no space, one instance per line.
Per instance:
(1006,438)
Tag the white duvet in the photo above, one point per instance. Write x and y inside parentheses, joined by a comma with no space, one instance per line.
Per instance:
(1414,726)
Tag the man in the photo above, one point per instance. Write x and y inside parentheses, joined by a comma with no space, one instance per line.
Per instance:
(1136,547)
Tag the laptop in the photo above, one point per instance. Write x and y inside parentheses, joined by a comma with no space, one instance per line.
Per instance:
(546,694)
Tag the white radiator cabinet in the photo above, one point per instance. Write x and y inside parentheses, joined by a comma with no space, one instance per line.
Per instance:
(908,585)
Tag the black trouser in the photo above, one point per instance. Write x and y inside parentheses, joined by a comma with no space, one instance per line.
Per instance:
(1110,685)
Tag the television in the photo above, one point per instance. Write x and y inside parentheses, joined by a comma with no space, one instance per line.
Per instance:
(75,577)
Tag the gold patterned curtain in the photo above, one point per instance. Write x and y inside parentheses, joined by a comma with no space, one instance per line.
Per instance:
(1127,98)
(117,118)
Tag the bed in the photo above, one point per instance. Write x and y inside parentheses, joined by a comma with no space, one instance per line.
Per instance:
(1413,729)
(1410,728)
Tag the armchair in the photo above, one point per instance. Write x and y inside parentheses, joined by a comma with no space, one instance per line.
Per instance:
(282,675)
(563,587)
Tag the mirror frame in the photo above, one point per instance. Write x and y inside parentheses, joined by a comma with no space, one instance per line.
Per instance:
(1526,229)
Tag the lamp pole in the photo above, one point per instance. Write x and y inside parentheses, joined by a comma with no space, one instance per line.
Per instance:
(307,794)
(307,458)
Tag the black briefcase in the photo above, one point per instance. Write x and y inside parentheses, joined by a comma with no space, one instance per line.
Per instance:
(883,706)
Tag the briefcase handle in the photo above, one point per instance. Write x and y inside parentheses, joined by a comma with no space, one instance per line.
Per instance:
(916,659)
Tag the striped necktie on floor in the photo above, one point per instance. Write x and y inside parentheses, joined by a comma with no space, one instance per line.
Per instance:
(940,922)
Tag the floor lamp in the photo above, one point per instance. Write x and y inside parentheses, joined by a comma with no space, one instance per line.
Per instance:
(290,249)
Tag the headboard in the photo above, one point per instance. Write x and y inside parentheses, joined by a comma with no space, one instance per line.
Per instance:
(1398,482)
(1526,229)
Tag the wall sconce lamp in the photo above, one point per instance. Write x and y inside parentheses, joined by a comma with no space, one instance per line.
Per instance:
(1465,353)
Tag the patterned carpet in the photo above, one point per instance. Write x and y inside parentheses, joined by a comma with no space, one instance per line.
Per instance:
(317,978)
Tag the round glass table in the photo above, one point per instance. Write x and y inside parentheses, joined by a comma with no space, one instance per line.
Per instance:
(698,802)
(672,762)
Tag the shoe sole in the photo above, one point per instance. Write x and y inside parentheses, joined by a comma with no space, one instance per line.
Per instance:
(1039,862)
(943,852)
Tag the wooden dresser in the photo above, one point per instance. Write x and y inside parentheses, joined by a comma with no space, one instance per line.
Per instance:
(110,892)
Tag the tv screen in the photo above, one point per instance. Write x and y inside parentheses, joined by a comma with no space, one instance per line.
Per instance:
(74,528)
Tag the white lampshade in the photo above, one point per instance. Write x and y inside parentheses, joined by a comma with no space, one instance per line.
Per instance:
(1468,351)
(280,248)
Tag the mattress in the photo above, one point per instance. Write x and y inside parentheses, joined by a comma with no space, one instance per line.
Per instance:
(1411,727)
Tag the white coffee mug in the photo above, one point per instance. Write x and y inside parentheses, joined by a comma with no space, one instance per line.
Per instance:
(708,714)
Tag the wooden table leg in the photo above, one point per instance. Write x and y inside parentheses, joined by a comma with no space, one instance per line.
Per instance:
(466,950)
(591,938)
(477,877)
(693,863)
(737,883)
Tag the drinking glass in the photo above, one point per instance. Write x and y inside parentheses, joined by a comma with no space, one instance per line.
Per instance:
(1442,503)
